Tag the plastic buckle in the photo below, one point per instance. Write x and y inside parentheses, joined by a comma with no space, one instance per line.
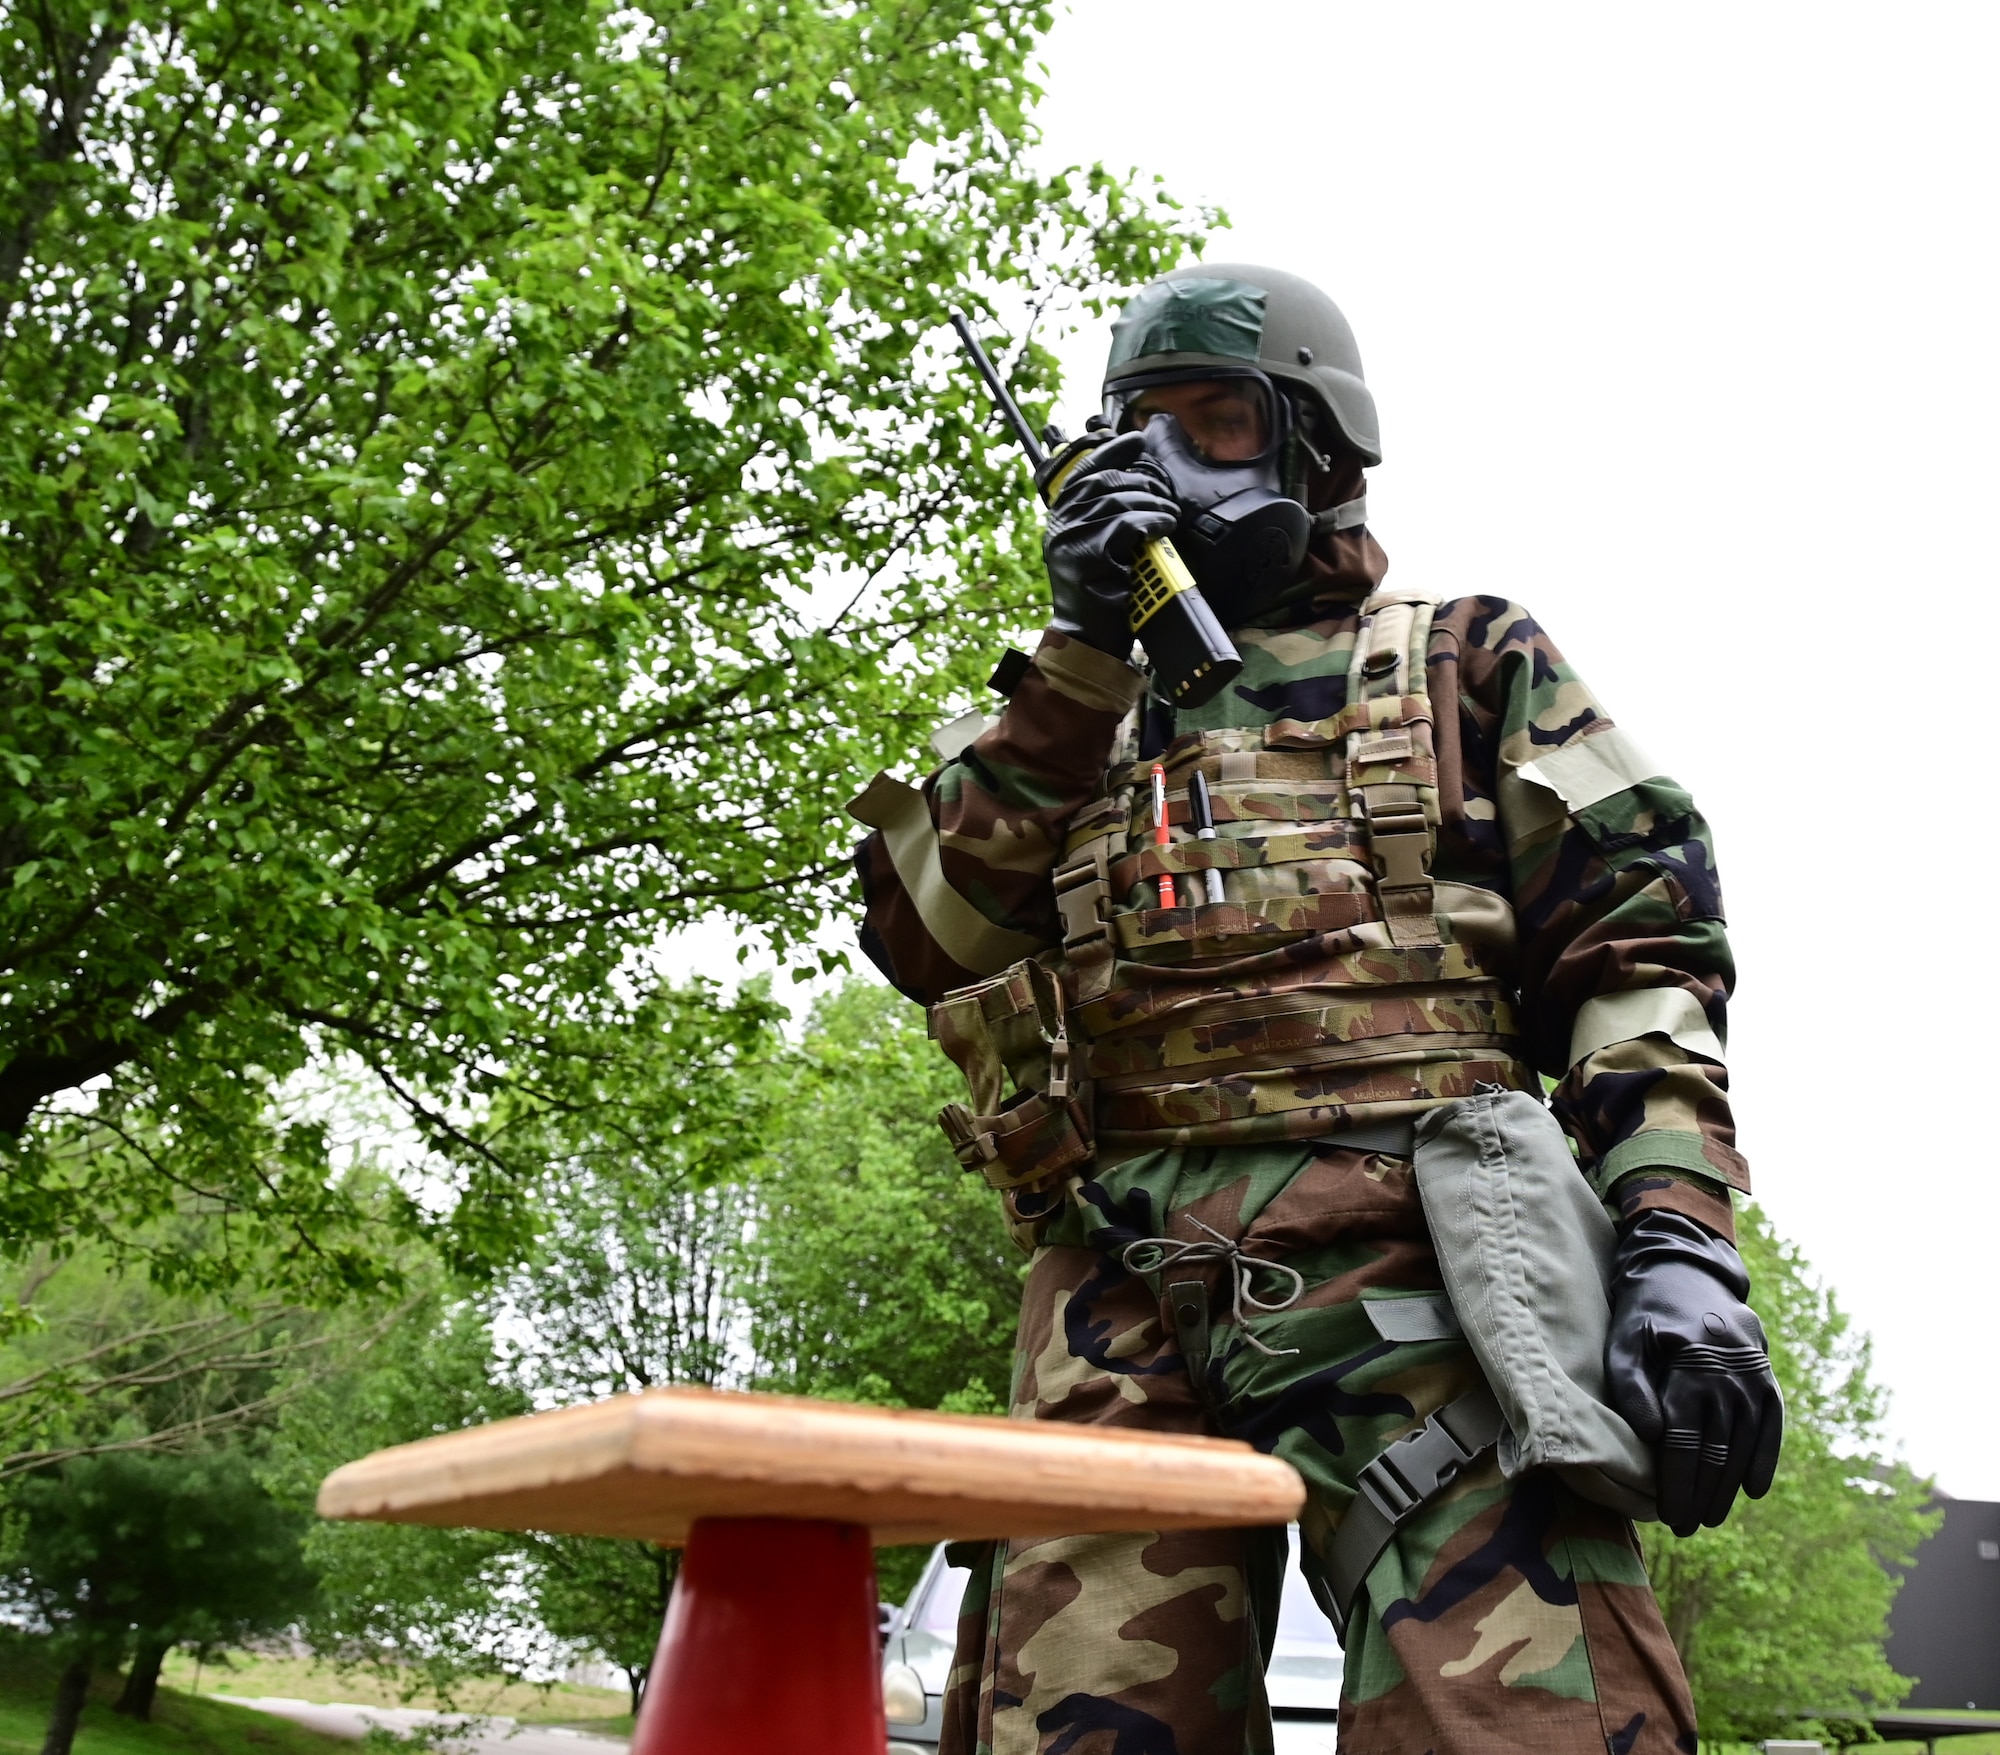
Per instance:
(1414,1470)
(1399,838)
(1399,861)
(972,1148)
(1059,1068)
(1080,888)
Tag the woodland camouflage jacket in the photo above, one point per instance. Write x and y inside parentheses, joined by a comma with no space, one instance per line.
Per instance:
(1618,958)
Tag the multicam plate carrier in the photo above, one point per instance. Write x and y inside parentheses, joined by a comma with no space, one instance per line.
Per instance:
(1327,990)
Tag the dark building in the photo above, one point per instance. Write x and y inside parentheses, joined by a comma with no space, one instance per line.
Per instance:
(1945,1626)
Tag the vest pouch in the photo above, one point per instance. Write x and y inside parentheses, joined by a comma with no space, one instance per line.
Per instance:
(1035,1136)
(1010,1031)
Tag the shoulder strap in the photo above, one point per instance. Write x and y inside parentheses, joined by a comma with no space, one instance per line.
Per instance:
(1392,764)
(1384,646)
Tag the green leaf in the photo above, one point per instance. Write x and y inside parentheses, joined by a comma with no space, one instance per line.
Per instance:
(483,486)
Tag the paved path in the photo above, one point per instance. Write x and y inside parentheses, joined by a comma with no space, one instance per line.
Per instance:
(473,1734)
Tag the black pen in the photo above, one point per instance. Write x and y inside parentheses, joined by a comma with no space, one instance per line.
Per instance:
(1204,829)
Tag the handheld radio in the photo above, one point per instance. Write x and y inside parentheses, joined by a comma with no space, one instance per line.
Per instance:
(1192,657)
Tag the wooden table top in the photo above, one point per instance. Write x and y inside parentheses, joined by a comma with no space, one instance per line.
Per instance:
(648,1465)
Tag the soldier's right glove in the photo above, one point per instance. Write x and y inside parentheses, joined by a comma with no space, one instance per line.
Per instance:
(1113,501)
(1687,1366)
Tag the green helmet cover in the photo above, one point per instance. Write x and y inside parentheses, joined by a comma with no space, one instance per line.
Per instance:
(1231,316)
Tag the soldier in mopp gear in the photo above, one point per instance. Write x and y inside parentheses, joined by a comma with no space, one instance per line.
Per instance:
(1444,871)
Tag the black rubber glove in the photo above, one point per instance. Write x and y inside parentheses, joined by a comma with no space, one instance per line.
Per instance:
(1687,1366)
(1114,500)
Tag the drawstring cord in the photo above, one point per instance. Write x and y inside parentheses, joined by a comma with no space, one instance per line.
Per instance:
(1152,1255)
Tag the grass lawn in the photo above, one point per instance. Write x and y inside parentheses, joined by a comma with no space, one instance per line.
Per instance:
(180,1725)
(248,1674)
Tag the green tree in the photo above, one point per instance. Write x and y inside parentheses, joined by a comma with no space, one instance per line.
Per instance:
(881,1270)
(98,1359)
(1781,1614)
(634,1283)
(480,486)
(422,1609)
(634,1280)
(608,1597)
(145,1553)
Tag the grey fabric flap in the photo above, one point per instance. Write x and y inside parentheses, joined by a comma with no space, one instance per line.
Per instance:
(1525,1248)
(949,740)
(1428,1317)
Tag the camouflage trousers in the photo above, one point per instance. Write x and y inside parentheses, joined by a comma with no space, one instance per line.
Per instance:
(1505,1616)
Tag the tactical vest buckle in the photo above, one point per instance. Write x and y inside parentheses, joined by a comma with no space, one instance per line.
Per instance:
(1401,851)
(1401,845)
(1059,1085)
(1082,889)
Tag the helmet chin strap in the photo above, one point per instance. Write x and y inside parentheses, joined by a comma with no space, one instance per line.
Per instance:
(1345,516)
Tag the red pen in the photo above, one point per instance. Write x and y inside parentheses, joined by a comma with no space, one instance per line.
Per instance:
(1162,835)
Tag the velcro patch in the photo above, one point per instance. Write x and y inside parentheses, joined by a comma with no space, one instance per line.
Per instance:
(1386,746)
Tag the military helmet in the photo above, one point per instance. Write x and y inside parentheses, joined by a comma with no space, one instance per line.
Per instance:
(1228,317)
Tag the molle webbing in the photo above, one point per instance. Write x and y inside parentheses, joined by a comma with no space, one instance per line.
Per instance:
(1321,992)
(1392,760)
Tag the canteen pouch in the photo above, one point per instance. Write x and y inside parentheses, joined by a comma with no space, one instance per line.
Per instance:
(1525,1248)
(1028,1122)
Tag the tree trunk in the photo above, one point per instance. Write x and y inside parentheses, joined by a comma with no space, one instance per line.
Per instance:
(142,1680)
(71,1688)
(666,1564)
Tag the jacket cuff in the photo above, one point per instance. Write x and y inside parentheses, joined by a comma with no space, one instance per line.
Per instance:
(1694,1154)
(1669,1191)
(1087,676)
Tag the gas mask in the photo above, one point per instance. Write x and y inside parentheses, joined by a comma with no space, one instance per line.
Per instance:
(1242,536)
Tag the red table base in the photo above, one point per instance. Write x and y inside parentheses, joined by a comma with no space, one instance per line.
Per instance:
(770,1645)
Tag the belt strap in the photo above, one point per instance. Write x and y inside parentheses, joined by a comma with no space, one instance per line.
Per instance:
(1393,1139)
(1401,1482)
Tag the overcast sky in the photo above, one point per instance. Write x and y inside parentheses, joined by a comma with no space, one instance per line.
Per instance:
(1682,324)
